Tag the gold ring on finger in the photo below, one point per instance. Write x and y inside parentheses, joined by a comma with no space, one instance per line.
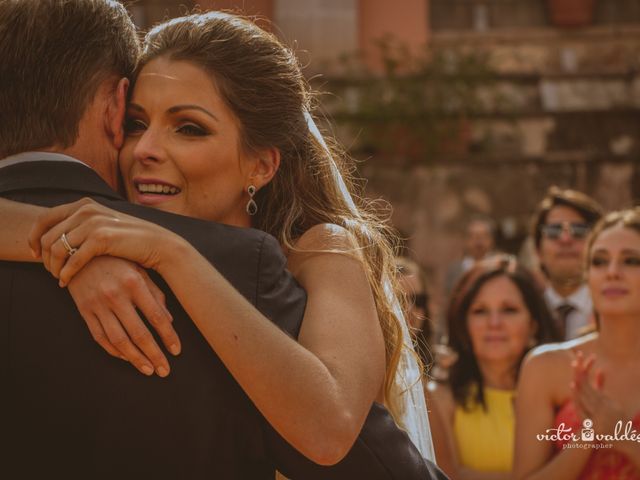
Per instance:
(65,241)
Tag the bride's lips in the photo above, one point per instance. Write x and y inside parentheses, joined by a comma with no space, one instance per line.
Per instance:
(153,191)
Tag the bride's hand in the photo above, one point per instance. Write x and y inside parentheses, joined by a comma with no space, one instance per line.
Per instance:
(107,292)
(93,230)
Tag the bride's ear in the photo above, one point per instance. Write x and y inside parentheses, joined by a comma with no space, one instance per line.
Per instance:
(265,166)
(116,111)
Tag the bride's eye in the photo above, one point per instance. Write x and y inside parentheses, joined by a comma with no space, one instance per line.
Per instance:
(134,125)
(192,130)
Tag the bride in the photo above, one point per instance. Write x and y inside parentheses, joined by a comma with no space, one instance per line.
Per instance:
(219,129)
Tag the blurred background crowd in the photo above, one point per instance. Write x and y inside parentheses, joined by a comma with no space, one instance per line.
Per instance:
(499,132)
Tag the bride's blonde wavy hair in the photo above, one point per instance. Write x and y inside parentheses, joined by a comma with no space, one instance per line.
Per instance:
(261,81)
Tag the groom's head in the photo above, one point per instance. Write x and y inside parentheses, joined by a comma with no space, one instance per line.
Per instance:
(61,68)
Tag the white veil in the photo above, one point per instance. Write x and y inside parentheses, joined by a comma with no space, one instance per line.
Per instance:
(408,382)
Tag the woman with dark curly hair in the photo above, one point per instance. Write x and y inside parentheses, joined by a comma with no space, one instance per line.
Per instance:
(496,315)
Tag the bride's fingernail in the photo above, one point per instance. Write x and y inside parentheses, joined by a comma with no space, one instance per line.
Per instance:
(147,370)
(174,349)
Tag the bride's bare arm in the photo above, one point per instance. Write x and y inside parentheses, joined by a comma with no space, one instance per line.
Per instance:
(316,393)
(16,220)
(103,280)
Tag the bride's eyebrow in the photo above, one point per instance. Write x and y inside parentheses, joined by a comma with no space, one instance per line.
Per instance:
(179,108)
(136,107)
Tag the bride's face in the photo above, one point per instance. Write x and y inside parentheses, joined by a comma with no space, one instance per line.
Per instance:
(182,153)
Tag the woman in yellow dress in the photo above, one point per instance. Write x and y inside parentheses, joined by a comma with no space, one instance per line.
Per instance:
(496,315)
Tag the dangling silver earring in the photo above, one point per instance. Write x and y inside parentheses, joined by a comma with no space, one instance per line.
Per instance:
(252,206)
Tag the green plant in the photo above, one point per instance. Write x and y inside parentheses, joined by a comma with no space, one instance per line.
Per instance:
(417,106)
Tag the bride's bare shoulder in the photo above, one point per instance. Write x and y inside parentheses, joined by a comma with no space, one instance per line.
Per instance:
(323,239)
(326,236)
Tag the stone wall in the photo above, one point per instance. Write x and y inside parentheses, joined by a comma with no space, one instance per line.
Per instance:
(571,118)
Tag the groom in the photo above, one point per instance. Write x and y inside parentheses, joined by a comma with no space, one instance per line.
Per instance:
(70,409)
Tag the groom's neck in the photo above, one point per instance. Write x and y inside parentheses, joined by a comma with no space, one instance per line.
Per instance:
(103,160)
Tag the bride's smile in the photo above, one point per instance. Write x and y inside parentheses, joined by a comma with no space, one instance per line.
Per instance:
(183,149)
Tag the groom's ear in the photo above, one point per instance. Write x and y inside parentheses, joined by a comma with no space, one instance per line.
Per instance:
(265,166)
(116,112)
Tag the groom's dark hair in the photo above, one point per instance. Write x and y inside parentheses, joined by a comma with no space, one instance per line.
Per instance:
(54,54)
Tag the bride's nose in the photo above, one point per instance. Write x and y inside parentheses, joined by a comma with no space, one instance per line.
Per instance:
(149,148)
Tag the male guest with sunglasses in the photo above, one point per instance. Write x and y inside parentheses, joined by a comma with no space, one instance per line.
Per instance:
(561,225)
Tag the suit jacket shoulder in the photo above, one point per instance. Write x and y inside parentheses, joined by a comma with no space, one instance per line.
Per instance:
(70,405)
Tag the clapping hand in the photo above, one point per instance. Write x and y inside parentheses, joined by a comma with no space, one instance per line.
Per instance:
(590,398)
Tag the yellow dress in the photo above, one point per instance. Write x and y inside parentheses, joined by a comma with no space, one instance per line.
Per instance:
(485,439)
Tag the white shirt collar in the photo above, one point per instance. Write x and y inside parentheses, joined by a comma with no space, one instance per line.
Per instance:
(580,299)
(25,157)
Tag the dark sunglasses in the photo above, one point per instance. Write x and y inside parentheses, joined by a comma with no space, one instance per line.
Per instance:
(553,231)
(419,300)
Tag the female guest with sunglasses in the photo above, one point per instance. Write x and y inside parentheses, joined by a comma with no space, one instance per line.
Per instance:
(496,315)
(589,387)
(560,227)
